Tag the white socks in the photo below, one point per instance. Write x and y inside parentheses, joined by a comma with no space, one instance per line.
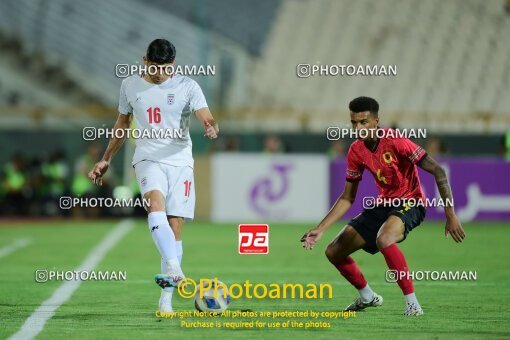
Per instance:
(366,293)
(162,235)
(169,249)
(178,246)
(411,298)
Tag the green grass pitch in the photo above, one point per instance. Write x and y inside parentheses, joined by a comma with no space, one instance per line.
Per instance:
(126,309)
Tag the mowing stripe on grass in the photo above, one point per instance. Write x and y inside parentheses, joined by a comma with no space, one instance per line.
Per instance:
(35,322)
(14,245)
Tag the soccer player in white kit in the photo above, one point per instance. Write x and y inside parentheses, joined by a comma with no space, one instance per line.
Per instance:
(163,166)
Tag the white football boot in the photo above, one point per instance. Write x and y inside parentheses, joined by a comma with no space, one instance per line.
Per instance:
(172,277)
(413,309)
(358,303)
(165,302)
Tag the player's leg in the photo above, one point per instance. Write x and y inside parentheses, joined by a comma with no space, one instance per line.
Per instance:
(165,301)
(392,232)
(176,223)
(344,244)
(338,253)
(153,186)
(179,205)
(162,234)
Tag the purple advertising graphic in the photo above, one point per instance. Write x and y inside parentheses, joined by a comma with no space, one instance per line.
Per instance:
(266,191)
(480,188)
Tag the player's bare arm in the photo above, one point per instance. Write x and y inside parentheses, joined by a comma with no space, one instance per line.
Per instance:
(453,226)
(338,210)
(205,116)
(100,168)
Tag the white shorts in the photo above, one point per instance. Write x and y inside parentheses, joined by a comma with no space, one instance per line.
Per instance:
(176,183)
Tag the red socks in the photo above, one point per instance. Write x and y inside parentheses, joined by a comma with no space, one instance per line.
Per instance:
(349,269)
(397,263)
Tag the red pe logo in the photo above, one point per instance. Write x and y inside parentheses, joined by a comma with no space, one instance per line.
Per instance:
(253,239)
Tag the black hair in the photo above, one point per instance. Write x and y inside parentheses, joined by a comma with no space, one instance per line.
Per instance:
(161,51)
(362,104)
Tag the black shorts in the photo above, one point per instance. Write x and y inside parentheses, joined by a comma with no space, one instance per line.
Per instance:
(368,223)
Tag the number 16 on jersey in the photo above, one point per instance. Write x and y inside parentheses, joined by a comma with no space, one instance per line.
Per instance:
(154,115)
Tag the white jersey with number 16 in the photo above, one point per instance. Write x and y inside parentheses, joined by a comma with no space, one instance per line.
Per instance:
(167,106)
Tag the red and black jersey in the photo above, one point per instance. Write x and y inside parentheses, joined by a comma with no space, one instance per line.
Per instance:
(392,163)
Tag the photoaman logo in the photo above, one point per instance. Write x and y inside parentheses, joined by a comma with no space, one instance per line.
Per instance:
(189,288)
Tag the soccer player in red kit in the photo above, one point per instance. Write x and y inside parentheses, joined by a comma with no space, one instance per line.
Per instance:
(392,162)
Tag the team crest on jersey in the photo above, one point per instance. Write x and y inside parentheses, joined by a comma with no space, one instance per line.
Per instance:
(387,158)
(170,99)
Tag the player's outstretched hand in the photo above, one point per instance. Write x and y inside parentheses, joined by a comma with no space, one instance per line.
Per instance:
(96,174)
(211,131)
(454,228)
(310,238)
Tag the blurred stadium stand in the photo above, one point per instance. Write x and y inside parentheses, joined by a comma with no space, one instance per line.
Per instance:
(228,18)
(34,93)
(89,38)
(453,74)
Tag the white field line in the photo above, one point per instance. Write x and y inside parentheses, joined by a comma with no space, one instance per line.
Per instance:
(36,321)
(14,245)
